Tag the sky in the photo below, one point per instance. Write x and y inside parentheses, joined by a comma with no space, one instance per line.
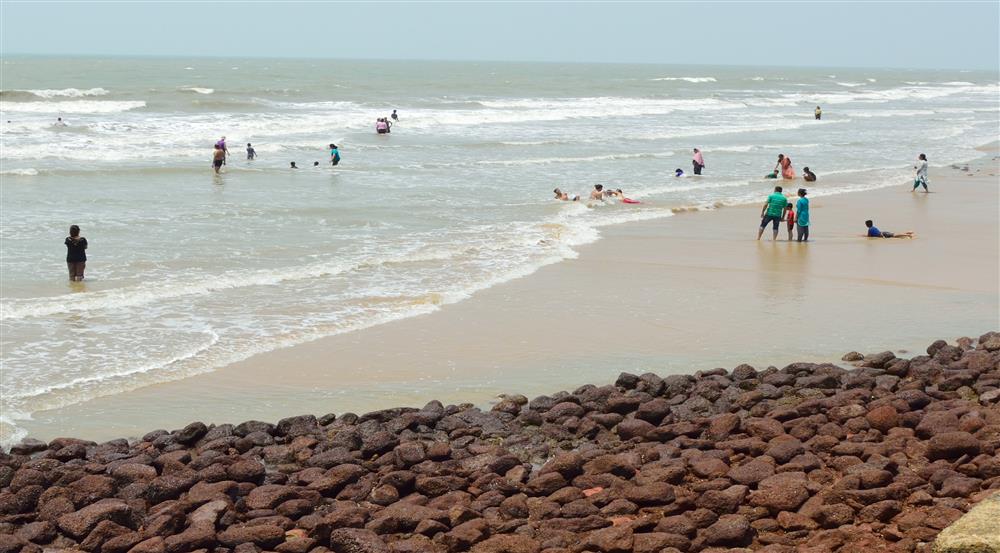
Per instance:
(942,35)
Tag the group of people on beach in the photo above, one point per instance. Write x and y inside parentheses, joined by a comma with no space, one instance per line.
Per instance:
(599,193)
(383,125)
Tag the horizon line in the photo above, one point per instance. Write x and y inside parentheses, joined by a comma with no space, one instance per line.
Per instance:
(455,60)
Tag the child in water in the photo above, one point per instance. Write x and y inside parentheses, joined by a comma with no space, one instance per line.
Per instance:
(790,218)
(678,172)
(251,153)
(808,175)
(334,154)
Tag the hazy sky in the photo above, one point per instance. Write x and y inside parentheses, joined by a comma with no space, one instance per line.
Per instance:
(960,35)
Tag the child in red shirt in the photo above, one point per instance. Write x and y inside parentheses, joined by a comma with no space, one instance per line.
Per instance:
(790,217)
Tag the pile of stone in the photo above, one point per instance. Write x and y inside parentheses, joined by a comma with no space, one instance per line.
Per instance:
(807,458)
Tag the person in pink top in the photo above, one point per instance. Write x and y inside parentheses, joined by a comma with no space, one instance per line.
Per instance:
(785,165)
(698,161)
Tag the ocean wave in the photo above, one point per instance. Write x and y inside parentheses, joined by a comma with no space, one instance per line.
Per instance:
(851,85)
(76,106)
(53,93)
(688,79)
(196,89)
(29,172)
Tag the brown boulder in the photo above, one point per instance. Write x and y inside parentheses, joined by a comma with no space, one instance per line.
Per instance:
(729,531)
(356,540)
(263,535)
(951,445)
(80,523)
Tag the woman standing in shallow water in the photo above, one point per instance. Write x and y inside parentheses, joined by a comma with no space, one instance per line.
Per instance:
(785,165)
(76,253)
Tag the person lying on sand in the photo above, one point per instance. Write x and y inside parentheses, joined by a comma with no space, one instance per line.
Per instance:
(560,195)
(874,232)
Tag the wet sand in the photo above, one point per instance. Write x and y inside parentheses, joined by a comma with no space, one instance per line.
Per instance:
(675,295)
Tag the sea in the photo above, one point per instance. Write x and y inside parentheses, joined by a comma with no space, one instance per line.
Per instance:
(189,271)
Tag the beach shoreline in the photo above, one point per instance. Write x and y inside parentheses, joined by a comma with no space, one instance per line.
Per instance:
(643,295)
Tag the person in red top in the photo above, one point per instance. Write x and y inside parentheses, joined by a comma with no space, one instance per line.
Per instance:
(790,218)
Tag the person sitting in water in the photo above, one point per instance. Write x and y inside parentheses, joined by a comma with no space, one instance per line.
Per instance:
(597,193)
(293,166)
(381,126)
(808,175)
(251,153)
(560,195)
(874,232)
(315,164)
(771,175)
(678,172)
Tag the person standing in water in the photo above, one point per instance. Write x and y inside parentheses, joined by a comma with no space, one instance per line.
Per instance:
(222,146)
(921,178)
(785,165)
(818,113)
(76,253)
(802,218)
(394,116)
(218,158)
(334,155)
(251,153)
(698,161)
(774,206)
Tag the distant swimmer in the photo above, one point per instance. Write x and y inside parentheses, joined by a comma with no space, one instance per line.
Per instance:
(292,166)
(785,165)
(560,195)
(808,175)
(334,155)
(874,232)
(921,178)
(698,161)
(251,153)
(394,116)
(315,164)
(59,122)
(382,126)
(222,146)
(218,158)
(678,172)
(819,113)
(771,175)
(597,193)
(773,208)
(76,253)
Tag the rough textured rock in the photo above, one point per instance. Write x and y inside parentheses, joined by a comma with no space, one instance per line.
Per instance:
(808,458)
(978,531)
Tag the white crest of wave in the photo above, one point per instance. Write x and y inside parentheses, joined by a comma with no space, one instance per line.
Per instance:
(198,89)
(688,79)
(29,172)
(76,106)
(68,92)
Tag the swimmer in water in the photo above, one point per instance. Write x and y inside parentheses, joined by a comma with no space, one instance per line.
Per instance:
(560,195)
(251,153)
(334,154)
(394,116)
(597,193)
(222,145)
(292,166)
(59,122)
(678,172)
(315,164)
(808,175)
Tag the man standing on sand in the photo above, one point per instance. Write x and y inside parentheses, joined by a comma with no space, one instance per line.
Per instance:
(771,212)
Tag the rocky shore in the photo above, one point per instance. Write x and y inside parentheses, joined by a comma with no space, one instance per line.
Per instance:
(807,458)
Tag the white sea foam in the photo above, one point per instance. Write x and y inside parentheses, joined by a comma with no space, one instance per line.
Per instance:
(27,172)
(68,92)
(77,106)
(688,79)
(198,90)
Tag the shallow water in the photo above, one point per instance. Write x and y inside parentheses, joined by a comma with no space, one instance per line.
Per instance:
(189,271)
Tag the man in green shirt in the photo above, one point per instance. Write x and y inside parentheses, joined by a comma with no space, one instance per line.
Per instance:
(772,211)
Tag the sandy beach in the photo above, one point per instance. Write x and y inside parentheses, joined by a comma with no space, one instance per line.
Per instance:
(675,295)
